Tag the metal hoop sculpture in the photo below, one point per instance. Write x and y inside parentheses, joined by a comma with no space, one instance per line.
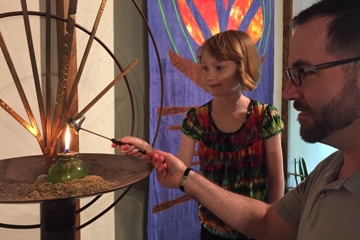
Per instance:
(25,13)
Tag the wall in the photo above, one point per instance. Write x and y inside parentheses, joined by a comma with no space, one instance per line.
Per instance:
(15,141)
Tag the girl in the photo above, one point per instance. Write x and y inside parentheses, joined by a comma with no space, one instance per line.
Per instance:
(238,138)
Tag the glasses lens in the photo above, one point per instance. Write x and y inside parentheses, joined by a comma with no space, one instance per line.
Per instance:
(294,75)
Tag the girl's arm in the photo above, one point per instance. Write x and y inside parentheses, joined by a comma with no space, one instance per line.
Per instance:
(186,150)
(275,169)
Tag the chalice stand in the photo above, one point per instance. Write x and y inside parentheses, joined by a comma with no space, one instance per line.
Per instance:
(57,216)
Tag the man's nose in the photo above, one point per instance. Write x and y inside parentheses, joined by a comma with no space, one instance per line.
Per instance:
(290,92)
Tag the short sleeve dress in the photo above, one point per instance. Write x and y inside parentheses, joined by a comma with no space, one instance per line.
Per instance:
(235,161)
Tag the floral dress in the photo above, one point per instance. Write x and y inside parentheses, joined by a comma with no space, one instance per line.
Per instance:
(235,161)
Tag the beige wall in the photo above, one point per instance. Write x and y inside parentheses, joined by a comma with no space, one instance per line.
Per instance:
(15,141)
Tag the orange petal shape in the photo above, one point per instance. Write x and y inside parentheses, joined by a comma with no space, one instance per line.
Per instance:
(208,12)
(226,2)
(237,13)
(190,22)
(256,26)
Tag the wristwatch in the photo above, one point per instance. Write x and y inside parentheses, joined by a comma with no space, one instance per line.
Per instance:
(184,178)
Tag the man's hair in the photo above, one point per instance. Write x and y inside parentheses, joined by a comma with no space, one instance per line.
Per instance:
(343,32)
(236,46)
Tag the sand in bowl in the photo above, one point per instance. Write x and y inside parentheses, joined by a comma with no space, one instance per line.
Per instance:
(43,190)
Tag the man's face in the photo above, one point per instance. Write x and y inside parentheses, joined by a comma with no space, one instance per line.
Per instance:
(335,115)
(327,97)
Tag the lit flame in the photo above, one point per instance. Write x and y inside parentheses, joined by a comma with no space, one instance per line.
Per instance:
(67,139)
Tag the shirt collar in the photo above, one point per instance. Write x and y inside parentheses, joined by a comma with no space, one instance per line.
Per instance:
(351,183)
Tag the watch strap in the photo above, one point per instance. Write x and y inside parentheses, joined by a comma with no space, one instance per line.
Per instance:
(184,179)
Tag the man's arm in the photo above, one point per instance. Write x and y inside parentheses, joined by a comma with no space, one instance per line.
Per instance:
(249,216)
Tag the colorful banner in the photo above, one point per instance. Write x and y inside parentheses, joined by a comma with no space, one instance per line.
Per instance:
(179,27)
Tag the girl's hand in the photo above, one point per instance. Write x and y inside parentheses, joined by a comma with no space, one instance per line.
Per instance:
(169,169)
(133,146)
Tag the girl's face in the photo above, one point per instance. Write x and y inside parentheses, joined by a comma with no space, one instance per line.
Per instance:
(219,78)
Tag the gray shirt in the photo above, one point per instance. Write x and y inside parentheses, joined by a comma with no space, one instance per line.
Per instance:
(322,207)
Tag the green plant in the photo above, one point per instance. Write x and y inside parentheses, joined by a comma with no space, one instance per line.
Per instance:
(301,166)
(300,173)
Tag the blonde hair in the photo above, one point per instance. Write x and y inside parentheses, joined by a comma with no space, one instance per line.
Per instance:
(238,47)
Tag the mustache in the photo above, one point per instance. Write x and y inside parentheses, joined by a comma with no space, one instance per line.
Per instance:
(301,107)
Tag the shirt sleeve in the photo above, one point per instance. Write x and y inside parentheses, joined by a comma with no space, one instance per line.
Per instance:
(272,123)
(289,206)
(190,125)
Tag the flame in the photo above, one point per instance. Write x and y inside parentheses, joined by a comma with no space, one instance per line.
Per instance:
(67,139)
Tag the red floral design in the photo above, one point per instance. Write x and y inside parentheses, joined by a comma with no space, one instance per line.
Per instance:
(209,13)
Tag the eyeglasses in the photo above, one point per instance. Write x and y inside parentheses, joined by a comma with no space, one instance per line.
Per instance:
(295,74)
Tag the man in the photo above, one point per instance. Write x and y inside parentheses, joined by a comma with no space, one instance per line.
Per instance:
(324,84)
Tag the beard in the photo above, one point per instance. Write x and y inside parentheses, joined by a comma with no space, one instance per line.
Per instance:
(341,112)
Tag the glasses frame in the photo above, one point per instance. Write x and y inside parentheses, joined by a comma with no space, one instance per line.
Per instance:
(295,73)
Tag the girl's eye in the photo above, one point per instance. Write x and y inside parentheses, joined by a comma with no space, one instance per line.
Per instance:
(219,68)
(204,68)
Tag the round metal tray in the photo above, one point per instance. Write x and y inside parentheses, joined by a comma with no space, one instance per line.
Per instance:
(122,170)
